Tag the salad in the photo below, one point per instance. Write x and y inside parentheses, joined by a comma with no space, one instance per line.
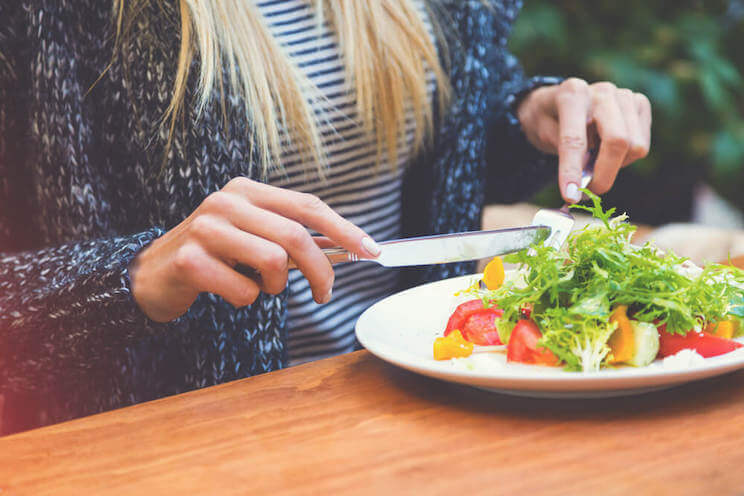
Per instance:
(598,302)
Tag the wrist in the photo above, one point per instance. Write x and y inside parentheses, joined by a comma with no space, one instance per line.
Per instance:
(147,273)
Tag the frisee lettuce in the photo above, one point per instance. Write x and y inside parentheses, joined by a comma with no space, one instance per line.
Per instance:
(573,291)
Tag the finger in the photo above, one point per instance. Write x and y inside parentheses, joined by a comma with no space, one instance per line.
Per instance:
(234,246)
(324,242)
(643,106)
(548,134)
(539,118)
(572,103)
(626,102)
(287,233)
(614,141)
(310,211)
(204,272)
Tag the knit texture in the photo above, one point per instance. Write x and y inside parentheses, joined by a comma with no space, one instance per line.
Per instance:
(82,192)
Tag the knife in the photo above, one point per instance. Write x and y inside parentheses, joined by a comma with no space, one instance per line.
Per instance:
(446,248)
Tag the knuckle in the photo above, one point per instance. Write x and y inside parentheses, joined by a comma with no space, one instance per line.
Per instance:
(573,142)
(218,201)
(604,88)
(238,183)
(187,258)
(245,295)
(275,261)
(603,92)
(574,86)
(325,285)
(275,288)
(311,202)
(642,99)
(644,151)
(625,94)
(617,143)
(640,150)
(545,136)
(643,104)
(296,236)
(203,226)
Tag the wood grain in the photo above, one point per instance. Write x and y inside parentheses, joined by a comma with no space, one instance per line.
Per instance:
(355,425)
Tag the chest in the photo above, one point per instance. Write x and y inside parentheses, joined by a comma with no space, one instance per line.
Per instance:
(99,157)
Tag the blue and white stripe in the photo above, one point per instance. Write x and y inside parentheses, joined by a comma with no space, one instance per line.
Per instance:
(368,196)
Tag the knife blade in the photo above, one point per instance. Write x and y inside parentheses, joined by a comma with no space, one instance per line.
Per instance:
(446,248)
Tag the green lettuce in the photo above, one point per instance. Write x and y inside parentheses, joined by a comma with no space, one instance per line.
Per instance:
(572,291)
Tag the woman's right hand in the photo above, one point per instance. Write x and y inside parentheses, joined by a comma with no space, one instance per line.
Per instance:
(245,223)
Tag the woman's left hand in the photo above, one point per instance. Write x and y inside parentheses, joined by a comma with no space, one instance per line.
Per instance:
(573,116)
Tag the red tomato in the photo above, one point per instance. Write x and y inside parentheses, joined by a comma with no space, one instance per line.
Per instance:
(477,324)
(523,345)
(480,327)
(462,312)
(705,344)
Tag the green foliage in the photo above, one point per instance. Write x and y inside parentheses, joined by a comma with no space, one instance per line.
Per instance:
(686,56)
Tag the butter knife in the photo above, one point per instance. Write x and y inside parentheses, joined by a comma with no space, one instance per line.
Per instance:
(446,248)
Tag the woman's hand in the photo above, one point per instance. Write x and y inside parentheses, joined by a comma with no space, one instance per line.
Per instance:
(246,223)
(573,116)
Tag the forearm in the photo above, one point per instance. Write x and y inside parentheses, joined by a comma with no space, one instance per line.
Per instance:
(64,308)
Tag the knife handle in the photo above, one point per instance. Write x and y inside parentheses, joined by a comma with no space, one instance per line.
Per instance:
(335,256)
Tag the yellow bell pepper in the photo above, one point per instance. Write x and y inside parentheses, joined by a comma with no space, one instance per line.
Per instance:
(452,345)
(723,329)
(622,341)
(493,274)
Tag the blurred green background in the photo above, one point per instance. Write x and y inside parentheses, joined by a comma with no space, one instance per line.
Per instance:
(686,56)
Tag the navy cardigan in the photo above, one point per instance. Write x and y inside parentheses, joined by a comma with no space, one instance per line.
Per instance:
(81,193)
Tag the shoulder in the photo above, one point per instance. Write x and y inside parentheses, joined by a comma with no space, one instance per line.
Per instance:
(45,33)
(10,36)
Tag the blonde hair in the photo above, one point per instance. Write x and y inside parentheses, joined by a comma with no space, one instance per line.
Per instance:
(386,48)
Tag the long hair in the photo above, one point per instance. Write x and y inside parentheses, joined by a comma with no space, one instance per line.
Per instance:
(387,51)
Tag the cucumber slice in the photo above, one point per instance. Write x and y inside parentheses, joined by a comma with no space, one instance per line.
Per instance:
(646,343)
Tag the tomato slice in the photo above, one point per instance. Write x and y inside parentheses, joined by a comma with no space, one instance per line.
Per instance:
(480,327)
(463,310)
(477,324)
(523,345)
(705,344)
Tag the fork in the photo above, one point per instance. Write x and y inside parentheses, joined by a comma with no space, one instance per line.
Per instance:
(560,220)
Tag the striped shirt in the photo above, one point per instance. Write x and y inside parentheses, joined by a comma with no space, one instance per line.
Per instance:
(368,196)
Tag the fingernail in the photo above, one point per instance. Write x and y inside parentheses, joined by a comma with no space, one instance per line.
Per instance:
(572,192)
(327,297)
(371,247)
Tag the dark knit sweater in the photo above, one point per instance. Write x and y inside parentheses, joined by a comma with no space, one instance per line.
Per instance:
(82,192)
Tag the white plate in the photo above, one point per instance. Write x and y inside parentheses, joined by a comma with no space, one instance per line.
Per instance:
(401,330)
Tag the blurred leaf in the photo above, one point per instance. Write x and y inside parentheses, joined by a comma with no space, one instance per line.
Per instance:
(728,151)
(726,71)
(543,22)
(714,93)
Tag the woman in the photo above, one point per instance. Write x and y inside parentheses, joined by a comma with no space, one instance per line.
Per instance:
(135,186)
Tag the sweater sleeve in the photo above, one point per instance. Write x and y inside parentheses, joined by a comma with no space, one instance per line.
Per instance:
(516,169)
(61,307)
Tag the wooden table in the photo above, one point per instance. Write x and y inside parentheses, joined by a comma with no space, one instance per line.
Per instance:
(356,425)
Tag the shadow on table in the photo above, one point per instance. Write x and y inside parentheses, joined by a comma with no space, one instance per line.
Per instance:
(698,396)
